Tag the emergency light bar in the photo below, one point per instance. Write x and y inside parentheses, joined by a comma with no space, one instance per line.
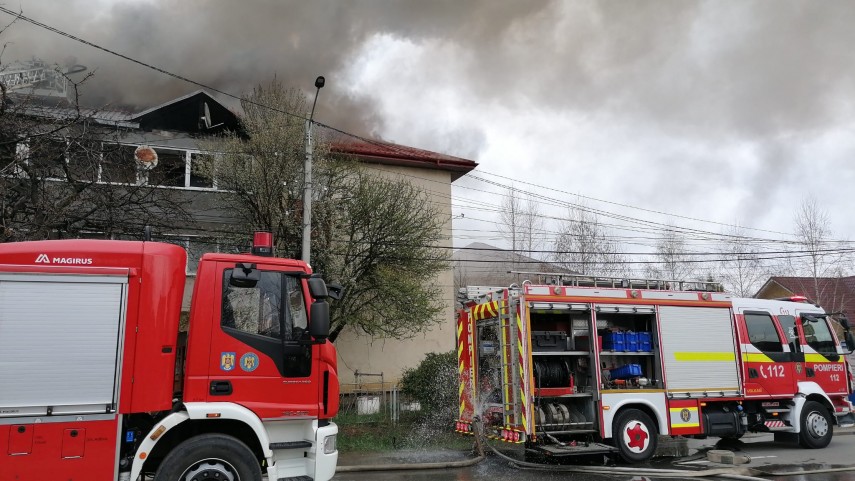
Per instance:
(795,298)
(262,244)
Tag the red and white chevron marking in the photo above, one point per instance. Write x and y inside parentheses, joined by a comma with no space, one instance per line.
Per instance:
(775,424)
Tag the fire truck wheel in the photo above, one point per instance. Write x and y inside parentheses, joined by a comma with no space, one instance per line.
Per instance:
(210,456)
(635,435)
(816,426)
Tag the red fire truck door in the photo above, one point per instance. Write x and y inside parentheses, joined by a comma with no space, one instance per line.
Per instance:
(768,366)
(822,363)
(260,354)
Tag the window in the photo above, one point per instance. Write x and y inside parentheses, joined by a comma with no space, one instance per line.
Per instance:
(296,306)
(170,170)
(762,332)
(201,174)
(788,324)
(47,158)
(264,310)
(118,164)
(83,160)
(818,336)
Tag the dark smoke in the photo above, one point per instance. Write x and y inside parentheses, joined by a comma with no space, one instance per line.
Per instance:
(706,71)
(236,45)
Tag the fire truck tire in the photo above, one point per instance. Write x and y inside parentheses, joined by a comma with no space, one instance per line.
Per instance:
(817,427)
(635,435)
(210,456)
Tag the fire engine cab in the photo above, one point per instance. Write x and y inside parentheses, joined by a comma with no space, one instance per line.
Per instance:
(592,365)
(96,382)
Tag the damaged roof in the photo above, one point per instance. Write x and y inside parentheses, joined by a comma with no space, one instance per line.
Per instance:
(200,113)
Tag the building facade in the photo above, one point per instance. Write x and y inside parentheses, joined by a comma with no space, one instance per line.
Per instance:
(175,129)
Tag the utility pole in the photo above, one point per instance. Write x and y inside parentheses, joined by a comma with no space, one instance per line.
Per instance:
(307,180)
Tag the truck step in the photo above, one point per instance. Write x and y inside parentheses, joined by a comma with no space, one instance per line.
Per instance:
(297,478)
(291,445)
(578,450)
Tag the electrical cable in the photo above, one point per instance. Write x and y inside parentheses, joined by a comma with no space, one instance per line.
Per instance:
(401,150)
(392,147)
(653,211)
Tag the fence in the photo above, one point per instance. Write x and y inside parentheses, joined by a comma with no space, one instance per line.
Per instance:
(370,398)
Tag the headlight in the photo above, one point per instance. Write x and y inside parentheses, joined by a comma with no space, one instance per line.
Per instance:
(329,444)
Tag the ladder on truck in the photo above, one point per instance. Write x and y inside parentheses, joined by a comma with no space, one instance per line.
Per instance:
(511,407)
(584,280)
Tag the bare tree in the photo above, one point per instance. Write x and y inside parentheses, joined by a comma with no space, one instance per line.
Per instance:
(818,259)
(511,219)
(376,235)
(741,269)
(585,246)
(674,261)
(532,226)
(521,224)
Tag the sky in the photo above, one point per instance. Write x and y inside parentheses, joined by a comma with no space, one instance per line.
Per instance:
(694,114)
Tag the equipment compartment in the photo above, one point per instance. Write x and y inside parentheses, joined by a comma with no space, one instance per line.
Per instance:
(565,416)
(549,341)
(629,359)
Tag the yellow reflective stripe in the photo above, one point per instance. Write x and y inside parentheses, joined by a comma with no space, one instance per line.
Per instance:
(716,389)
(484,311)
(677,410)
(809,357)
(755,357)
(704,356)
(685,425)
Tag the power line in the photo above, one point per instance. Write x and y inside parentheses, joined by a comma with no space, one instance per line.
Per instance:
(640,223)
(20,15)
(629,206)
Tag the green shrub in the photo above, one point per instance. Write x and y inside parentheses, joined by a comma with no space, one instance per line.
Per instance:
(433,383)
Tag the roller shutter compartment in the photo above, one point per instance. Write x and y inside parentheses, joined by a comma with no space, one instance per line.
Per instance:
(698,351)
(60,343)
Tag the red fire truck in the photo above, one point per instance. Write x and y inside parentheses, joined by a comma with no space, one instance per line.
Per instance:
(589,366)
(91,386)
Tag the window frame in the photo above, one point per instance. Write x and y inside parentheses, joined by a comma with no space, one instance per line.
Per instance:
(775,327)
(293,358)
(832,354)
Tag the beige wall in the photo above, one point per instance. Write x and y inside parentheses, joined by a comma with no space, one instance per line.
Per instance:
(359,352)
(773,290)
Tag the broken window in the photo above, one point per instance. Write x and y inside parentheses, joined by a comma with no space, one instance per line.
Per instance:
(47,158)
(169,170)
(201,171)
(118,164)
(83,160)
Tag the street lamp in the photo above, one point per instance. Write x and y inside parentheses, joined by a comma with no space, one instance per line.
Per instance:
(307,181)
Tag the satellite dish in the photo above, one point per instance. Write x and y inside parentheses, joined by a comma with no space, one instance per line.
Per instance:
(206,116)
(146,157)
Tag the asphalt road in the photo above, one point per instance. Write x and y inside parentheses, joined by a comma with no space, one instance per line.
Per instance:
(766,456)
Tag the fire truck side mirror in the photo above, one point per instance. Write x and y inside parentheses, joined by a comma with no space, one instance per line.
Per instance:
(336,291)
(244,276)
(319,328)
(850,342)
(844,321)
(318,288)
